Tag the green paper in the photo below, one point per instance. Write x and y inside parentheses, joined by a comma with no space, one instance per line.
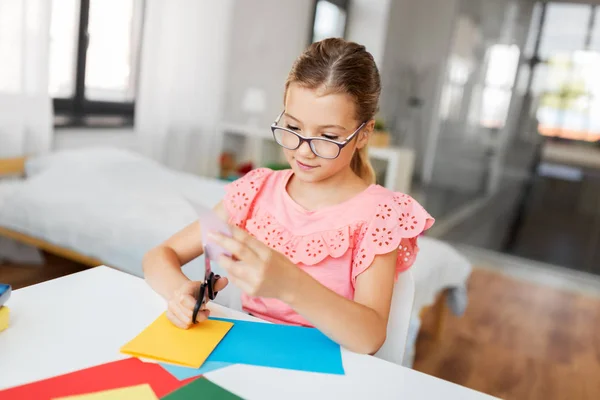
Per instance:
(201,388)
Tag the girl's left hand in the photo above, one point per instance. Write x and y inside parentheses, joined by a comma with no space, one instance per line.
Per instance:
(256,268)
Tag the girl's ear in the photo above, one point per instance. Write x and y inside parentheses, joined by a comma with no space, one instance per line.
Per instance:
(365,134)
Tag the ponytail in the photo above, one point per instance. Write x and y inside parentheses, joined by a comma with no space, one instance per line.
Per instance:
(361,165)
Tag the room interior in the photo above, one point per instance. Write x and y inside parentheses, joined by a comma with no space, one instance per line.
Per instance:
(114,115)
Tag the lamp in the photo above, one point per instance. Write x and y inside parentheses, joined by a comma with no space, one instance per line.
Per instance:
(254,104)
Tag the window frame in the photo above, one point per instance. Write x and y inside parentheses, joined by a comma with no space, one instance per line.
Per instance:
(77,111)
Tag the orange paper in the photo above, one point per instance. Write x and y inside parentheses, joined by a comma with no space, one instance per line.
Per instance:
(163,341)
(139,392)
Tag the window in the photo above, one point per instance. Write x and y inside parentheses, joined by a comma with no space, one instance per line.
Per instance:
(329,20)
(94,52)
(502,65)
(566,80)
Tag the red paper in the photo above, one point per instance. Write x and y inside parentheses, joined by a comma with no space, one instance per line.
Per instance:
(114,375)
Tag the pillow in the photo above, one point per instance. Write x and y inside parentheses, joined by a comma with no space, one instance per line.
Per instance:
(77,158)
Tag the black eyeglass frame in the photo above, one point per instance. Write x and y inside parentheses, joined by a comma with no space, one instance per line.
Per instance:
(310,141)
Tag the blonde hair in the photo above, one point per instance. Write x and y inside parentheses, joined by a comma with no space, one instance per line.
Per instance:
(340,66)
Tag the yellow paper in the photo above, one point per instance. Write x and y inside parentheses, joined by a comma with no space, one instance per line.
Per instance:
(139,392)
(4,318)
(163,341)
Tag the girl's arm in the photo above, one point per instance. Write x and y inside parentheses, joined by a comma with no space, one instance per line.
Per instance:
(162,270)
(358,325)
(162,265)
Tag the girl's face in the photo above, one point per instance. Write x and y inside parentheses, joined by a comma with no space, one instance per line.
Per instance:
(331,116)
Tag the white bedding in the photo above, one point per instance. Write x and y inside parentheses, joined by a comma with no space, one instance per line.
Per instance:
(108,204)
(7,187)
(115,205)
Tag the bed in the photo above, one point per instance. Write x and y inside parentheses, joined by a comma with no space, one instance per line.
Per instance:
(109,206)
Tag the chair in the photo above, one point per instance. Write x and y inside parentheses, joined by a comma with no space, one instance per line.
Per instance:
(398,323)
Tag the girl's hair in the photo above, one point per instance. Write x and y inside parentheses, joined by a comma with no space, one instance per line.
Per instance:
(339,66)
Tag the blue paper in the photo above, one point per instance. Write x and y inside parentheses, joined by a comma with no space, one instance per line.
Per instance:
(278,346)
(182,373)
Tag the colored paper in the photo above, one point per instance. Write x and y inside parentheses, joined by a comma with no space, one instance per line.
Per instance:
(4,317)
(113,375)
(210,222)
(163,341)
(182,373)
(201,388)
(279,346)
(139,392)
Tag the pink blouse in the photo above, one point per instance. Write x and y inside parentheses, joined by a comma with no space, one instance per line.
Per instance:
(334,244)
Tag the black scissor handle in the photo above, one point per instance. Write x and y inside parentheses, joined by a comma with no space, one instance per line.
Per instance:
(207,289)
(199,301)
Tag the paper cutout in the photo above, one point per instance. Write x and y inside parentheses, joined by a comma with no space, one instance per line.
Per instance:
(165,342)
(182,373)
(210,222)
(139,392)
(279,346)
(201,388)
(113,375)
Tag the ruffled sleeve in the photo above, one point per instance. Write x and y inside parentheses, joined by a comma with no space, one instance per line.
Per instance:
(396,224)
(240,195)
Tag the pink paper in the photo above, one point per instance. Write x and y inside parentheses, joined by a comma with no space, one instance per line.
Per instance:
(210,222)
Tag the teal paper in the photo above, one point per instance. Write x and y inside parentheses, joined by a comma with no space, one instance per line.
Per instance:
(183,373)
(278,346)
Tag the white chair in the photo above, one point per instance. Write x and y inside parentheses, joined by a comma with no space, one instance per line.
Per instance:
(398,323)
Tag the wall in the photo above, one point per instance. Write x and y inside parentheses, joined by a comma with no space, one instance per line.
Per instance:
(267,37)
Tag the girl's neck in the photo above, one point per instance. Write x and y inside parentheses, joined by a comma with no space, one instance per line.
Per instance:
(331,191)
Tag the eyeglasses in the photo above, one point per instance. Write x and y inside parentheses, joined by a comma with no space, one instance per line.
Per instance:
(322,147)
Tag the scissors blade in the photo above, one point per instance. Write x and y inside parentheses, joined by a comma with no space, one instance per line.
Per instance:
(207,266)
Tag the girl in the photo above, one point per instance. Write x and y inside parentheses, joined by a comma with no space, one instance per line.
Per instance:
(318,244)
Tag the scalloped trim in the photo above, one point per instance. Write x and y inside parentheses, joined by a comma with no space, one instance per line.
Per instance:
(396,223)
(309,249)
(384,236)
(392,224)
(237,199)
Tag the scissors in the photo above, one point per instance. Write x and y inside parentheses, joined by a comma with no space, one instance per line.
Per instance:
(207,288)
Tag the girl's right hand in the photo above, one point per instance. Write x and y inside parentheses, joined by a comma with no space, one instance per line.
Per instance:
(182,302)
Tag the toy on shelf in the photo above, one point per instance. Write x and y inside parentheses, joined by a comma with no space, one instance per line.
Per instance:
(244,168)
(227,165)
(230,170)
(380,136)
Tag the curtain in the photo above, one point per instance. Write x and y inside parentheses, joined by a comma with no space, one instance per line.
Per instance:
(182,81)
(25,105)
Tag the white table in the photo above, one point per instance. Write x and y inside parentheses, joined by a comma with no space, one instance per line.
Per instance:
(83,319)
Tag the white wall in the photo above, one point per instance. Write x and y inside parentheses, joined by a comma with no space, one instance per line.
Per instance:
(367,24)
(267,36)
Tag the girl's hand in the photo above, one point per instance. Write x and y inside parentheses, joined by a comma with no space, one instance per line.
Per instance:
(255,268)
(182,302)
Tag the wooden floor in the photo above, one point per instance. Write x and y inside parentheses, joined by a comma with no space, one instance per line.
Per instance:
(19,276)
(518,341)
